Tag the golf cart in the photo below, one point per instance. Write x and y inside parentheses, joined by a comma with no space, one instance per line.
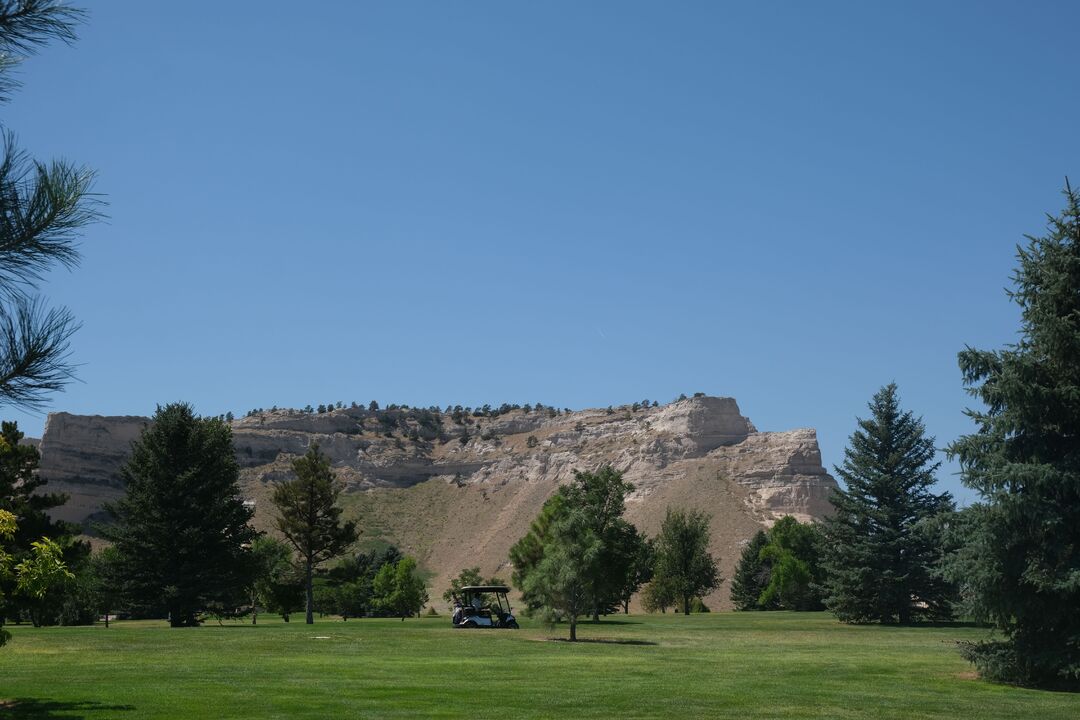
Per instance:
(483,606)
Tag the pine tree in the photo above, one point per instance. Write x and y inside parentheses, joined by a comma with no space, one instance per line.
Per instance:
(310,518)
(43,206)
(878,568)
(1023,560)
(181,530)
(752,576)
(21,493)
(561,580)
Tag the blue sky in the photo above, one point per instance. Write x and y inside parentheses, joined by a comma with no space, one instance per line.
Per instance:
(574,203)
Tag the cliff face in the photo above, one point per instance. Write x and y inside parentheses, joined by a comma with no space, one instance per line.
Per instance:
(458,490)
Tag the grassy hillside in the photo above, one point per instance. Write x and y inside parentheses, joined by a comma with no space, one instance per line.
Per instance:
(774,665)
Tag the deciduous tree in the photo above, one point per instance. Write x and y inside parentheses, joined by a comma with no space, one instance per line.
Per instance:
(684,567)
(398,590)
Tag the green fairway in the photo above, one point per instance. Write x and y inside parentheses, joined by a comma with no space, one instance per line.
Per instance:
(739,665)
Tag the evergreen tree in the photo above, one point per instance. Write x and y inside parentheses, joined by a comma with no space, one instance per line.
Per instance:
(602,495)
(21,493)
(1023,559)
(752,575)
(684,567)
(181,530)
(526,553)
(310,518)
(43,206)
(878,568)
(561,582)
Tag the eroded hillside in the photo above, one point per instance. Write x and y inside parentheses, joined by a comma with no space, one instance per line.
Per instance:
(457,489)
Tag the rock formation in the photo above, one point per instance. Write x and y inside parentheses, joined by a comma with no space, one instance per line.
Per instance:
(457,490)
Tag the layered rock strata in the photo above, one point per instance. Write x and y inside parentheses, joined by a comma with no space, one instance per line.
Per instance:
(457,490)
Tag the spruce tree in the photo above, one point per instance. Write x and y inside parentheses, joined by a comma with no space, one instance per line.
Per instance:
(752,575)
(1023,559)
(181,530)
(878,568)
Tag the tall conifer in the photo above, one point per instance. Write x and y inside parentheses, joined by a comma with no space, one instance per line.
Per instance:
(181,530)
(1023,560)
(878,567)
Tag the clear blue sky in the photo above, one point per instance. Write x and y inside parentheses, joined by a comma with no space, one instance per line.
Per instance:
(574,203)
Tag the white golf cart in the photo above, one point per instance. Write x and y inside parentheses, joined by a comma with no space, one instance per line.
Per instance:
(483,606)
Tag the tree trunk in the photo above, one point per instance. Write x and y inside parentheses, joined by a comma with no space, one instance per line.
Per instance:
(626,607)
(573,628)
(686,604)
(595,615)
(254,609)
(309,618)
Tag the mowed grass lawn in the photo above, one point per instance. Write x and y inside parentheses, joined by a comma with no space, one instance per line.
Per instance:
(738,665)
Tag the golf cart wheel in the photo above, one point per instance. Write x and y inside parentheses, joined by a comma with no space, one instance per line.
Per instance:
(513,625)
(469,625)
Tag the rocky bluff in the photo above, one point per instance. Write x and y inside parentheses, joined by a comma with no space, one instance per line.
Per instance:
(457,490)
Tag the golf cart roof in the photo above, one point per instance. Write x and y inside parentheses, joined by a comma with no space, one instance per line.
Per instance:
(485,589)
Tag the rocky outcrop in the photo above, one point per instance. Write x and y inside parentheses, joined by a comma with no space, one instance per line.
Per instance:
(87,449)
(457,489)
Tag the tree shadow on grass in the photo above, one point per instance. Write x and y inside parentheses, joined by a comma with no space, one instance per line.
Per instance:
(605,621)
(35,709)
(605,641)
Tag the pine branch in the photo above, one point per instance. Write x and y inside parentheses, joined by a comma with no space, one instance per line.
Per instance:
(26,25)
(42,207)
(34,357)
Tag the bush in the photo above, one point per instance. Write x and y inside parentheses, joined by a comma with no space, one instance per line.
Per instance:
(697,605)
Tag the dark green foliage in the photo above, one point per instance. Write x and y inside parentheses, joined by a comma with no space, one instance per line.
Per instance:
(43,206)
(1022,562)
(526,553)
(181,530)
(602,496)
(637,556)
(878,568)
(310,518)
(21,492)
(684,567)
(347,589)
(278,587)
(752,575)
(793,556)
(470,576)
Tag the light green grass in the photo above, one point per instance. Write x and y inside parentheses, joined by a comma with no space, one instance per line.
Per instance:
(738,665)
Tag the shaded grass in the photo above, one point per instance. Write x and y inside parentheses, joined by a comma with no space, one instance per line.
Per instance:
(765,665)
